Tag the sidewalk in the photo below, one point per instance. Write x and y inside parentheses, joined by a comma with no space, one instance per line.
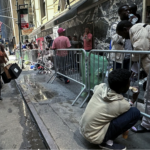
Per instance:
(17,130)
(52,103)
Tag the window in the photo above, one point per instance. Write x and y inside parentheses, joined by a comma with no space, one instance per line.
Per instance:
(27,2)
(43,8)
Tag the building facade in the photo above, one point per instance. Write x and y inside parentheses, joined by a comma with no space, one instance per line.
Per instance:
(75,15)
(7,28)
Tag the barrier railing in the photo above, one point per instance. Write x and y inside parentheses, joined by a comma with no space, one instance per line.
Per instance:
(93,68)
(28,55)
(32,56)
(71,64)
(101,67)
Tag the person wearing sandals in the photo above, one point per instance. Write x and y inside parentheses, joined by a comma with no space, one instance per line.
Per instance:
(108,114)
(139,35)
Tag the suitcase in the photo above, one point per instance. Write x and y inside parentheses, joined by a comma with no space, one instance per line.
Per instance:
(5,79)
(14,71)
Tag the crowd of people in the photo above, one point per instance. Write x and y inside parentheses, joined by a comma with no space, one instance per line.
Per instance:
(29,45)
(108,114)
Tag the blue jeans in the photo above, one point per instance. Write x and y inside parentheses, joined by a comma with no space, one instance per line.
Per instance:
(126,64)
(122,123)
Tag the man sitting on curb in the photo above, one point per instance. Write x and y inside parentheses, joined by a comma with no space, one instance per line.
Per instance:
(108,114)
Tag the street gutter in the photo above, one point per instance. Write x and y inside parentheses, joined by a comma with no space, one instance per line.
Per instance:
(48,139)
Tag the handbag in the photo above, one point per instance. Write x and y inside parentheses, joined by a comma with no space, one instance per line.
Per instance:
(14,71)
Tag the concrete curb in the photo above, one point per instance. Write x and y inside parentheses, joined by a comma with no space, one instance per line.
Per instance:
(50,143)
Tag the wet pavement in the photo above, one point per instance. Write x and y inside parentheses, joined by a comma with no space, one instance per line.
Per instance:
(52,103)
(17,128)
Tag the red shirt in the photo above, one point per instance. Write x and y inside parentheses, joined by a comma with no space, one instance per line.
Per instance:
(88,44)
(62,42)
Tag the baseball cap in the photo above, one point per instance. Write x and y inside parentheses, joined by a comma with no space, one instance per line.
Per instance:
(60,30)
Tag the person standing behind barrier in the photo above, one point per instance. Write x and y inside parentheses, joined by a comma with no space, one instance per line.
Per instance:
(108,114)
(24,45)
(35,46)
(30,46)
(87,37)
(62,42)
(140,36)
(75,44)
(133,10)
(118,43)
(26,42)
(49,41)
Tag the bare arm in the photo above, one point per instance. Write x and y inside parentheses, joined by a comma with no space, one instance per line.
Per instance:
(6,56)
(88,37)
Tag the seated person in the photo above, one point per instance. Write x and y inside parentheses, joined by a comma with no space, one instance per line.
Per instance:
(108,114)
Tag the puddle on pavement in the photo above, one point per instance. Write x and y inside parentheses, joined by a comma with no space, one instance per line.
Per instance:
(44,95)
(28,82)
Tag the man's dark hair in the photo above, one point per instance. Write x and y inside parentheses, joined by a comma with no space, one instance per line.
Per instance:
(118,79)
(87,27)
(133,8)
(30,46)
(122,24)
(69,37)
(48,37)
(75,36)
(120,8)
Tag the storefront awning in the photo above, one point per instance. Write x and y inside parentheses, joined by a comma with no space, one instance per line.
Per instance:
(65,15)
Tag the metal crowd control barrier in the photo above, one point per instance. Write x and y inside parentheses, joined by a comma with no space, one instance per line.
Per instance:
(69,64)
(103,69)
(28,55)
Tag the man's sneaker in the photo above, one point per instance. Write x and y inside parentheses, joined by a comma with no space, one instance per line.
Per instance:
(113,147)
(66,82)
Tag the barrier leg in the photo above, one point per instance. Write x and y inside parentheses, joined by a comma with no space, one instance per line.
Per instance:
(55,65)
(51,78)
(54,79)
(85,100)
(78,96)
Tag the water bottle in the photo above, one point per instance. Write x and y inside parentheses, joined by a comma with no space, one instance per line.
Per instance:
(134,19)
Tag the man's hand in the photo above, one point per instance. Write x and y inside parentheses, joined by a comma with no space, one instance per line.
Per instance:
(135,96)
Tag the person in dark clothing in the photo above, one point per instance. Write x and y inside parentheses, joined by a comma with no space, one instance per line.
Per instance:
(117,42)
(49,41)
(35,46)
(133,10)
(30,46)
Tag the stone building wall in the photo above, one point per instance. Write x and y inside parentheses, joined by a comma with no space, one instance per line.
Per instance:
(99,19)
